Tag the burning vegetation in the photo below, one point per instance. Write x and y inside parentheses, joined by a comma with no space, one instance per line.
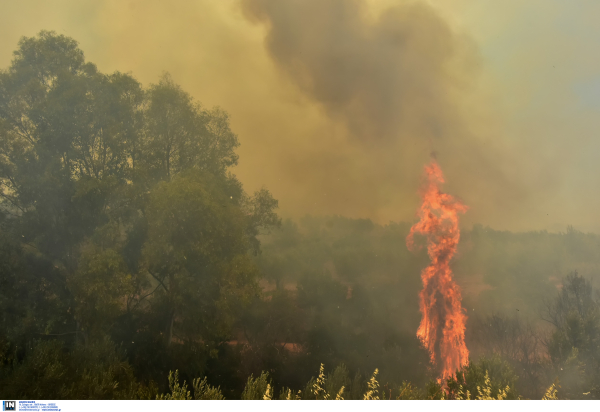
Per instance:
(442,328)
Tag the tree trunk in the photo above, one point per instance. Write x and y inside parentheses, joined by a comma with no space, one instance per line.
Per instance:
(169,329)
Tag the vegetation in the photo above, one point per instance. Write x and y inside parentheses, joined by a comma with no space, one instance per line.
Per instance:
(120,218)
(129,250)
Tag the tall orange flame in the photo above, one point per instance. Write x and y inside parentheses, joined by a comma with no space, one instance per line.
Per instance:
(442,328)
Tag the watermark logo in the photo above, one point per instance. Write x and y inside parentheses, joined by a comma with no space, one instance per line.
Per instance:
(9,405)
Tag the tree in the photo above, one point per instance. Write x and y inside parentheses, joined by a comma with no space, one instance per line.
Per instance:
(574,346)
(515,341)
(125,198)
(34,302)
(67,138)
(197,253)
(181,135)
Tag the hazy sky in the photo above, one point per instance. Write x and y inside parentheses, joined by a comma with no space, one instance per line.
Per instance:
(338,104)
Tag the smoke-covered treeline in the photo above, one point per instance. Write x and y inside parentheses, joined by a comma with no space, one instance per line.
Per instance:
(511,286)
(129,250)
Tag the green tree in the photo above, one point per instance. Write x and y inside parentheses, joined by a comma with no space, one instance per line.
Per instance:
(180,134)
(123,196)
(33,300)
(197,252)
(574,346)
(66,139)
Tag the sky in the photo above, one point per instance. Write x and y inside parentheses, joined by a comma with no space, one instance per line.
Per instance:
(339,104)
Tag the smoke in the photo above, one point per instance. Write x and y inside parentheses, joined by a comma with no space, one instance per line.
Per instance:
(338,104)
(383,77)
(398,83)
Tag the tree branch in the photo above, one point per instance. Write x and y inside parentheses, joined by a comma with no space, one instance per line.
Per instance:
(158,280)
(145,296)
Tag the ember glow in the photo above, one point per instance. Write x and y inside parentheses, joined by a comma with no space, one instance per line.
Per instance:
(442,328)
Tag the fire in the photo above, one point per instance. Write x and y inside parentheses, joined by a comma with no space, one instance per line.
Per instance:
(442,328)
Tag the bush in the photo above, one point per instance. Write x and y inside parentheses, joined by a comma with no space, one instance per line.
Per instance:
(49,371)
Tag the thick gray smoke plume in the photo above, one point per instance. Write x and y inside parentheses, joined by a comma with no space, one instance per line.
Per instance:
(382,76)
(398,82)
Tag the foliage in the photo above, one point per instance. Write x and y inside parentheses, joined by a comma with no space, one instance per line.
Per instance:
(408,391)
(33,300)
(489,378)
(196,252)
(574,346)
(338,382)
(318,388)
(373,385)
(119,215)
(48,371)
(203,391)
(516,341)
(268,393)
(256,388)
(551,393)
(178,392)
(98,286)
